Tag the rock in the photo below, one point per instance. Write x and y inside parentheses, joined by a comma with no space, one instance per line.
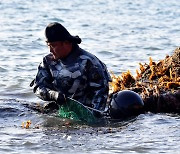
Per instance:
(157,83)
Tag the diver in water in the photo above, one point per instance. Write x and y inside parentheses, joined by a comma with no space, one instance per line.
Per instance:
(69,71)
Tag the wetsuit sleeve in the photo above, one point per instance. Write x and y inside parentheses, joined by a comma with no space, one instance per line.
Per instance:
(99,79)
(43,84)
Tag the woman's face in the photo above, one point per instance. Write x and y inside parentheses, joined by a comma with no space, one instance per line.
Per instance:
(58,49)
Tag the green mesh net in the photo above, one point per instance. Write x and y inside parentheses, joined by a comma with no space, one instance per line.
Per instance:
(64,112)
(74,110)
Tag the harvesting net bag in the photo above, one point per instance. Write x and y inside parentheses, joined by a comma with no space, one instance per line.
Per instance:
(75,110)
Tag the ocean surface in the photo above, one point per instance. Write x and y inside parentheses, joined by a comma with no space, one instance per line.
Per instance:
(121,33)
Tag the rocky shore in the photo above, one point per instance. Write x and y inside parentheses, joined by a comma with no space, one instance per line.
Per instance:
(158,83)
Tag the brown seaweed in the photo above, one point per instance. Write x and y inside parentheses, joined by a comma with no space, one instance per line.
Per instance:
(158,83)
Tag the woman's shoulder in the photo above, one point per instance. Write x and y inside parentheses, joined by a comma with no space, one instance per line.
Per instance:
(89,56)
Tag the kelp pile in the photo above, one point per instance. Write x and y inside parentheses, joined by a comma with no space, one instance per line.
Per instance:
(158,83)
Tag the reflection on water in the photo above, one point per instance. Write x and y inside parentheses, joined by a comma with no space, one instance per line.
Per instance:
(120,33)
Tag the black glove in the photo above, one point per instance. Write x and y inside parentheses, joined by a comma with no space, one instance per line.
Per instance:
(61,99)
(50,107)
(56,96)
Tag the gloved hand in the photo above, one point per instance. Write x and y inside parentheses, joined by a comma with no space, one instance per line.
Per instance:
(56,96)
(50,107)
(61,99)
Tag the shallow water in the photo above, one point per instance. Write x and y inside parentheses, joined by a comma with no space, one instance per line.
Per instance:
(121,33)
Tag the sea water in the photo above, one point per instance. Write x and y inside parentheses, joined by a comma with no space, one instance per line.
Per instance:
(121,33)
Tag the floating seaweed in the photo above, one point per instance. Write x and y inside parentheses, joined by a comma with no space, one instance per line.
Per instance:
(26,124)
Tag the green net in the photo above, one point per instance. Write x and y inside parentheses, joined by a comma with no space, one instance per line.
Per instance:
(76,111)
(64,112)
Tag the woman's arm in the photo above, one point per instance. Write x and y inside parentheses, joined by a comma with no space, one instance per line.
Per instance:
(43,87)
